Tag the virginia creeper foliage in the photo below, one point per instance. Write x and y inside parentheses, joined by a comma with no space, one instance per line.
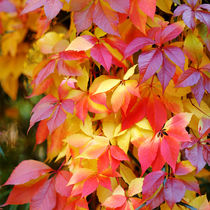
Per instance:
(125,106)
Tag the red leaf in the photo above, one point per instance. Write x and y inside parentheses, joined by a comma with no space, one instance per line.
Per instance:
(149,62)
(26,171)
(174,191)
(22,194)
(90,186)
(72,55)
(45,198)
(156,113)
(42,132)
(148,7)
(135,115)
(118,153)
(170,150)
(102,56)
(61,182)
(152,182)
(137,16)
(149,147)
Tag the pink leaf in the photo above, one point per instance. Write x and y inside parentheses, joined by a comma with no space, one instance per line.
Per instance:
(83,19)
(166,72)
(57,119)
(188,78)
(195,156)
(61,182)
(121,6)
(45,72)
(189,18)
(198,90)
(65,69)
(180,9)
(32,5)
(45,198)
(26,171)
(102,56)
(52,8)
(105,18)
(171,32)
(176,55)
(174,191)
(136,45)
(6,6)
(43,109)
(22,194)
(114,201)
(192,3)
(149,62)
(68,105)
(152,182)
(90,186)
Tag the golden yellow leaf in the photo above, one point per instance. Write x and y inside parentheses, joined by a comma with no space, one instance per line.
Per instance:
(130,72)
(165,5)
(107,85)
(127,173)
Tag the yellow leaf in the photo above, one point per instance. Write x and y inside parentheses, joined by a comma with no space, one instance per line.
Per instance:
(48,41)
(107,85)
(10,86)
(193,48)
(109,125)
(99,32)
(103,193)
(135,186)
(118,191)
(77,139)
(129,73)
(123,141)
(118,97)
(165,5)
(80,44)
(201,203)
(127,173)
(82,81)
(192,106)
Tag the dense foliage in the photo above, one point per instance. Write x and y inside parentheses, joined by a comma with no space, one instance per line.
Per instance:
(124,110)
